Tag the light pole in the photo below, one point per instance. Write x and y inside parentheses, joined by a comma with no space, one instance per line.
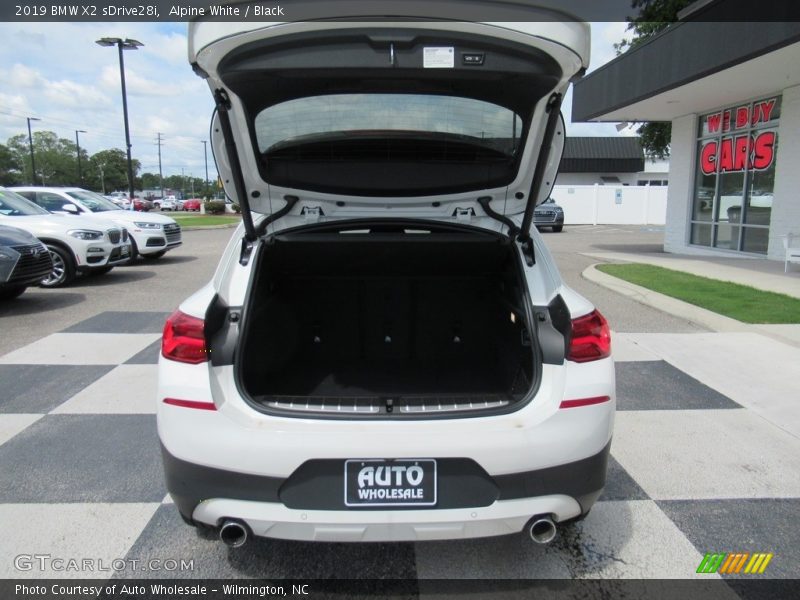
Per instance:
(205,155)
(30,141)
(126,44)
(78,146)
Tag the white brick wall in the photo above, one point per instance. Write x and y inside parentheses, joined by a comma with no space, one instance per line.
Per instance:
(786,203)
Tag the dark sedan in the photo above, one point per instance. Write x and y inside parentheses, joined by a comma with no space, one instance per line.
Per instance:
(549,214)
(24,261)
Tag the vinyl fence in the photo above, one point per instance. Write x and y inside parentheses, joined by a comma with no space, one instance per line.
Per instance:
(612,204)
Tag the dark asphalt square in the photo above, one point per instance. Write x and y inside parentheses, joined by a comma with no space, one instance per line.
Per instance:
(121,322)
(83,458)
(167,536)
(620,485)
(743,525)
(657,385)
(148,356)
(41,388)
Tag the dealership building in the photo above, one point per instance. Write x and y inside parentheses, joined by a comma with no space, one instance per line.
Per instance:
(732,93)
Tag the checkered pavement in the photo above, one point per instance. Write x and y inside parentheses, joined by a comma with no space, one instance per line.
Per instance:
(705,458)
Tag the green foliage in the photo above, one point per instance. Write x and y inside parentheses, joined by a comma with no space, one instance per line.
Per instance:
(236,208)
(55,158)
(10,167)
(214,207)
(654,16)
(108,170)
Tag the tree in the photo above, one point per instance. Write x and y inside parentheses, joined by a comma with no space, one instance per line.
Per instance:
(55,158)
(107,170)
(654,17)
(10,167)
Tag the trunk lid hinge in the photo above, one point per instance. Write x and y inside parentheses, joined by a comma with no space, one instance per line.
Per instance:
(312,213)
(246,251)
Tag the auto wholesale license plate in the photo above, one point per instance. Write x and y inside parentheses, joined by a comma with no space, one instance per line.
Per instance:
(400,482)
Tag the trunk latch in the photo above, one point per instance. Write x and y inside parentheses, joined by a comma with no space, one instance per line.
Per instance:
(464,214)
(312,213)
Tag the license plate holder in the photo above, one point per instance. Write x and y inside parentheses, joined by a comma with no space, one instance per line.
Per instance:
(390,482)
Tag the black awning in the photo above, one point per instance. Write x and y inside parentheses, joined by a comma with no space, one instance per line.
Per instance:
(602,155)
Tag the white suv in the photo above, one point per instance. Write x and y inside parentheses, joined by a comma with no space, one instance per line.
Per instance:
(386,350)
(76,244)
(152,235)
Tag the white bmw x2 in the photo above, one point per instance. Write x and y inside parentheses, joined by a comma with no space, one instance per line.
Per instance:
(386,350)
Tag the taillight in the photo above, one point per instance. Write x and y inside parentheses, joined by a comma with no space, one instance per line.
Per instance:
(591,338)
(183,339)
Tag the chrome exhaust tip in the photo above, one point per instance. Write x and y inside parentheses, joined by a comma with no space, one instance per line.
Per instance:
(542,530)
(233,533)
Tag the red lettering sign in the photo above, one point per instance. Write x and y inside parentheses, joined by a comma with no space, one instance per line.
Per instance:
(713,122)
(742,117)
(735,154)
(764,150)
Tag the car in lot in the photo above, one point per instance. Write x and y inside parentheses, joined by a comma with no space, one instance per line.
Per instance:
(142,205)
(151,235)
(549,214)
(192,204)
(24,261)
(168,203)
(386,351)
(76,244)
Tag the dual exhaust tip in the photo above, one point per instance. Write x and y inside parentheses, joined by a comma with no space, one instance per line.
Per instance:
(542,529)
(235,534)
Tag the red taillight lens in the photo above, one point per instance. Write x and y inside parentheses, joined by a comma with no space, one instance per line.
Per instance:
(591,338)
(183,339)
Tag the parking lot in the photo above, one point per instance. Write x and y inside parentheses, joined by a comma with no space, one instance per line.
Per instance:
(705,457)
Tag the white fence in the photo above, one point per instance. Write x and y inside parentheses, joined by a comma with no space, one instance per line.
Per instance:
(612,204)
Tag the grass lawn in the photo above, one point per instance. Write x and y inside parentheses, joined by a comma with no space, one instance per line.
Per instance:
(204,220)
(740,302)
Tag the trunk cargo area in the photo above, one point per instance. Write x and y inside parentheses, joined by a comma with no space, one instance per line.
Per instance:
(386,322)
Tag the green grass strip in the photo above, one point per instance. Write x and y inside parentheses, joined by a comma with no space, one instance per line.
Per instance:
(204,220)
(741,302)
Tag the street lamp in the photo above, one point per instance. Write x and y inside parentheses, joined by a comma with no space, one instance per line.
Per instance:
(126,44)
(78,145)
(30,141)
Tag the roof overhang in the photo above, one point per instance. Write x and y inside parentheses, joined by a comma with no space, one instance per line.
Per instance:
(692,67)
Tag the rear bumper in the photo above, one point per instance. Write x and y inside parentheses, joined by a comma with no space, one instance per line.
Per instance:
(493,506)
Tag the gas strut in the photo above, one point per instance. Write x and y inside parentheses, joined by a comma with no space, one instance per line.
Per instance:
(553,108)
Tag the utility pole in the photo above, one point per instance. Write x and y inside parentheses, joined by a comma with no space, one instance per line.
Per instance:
(183,184)
(30,141)
(78,146)
(205,155)
(159,140)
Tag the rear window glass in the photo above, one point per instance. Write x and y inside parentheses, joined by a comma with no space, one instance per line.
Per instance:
(320,118)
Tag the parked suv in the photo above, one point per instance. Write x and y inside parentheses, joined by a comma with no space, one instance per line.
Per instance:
(386,350)
(24,261)
(76,244)
(152,235)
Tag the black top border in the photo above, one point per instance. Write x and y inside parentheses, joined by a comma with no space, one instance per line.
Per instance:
(400,10)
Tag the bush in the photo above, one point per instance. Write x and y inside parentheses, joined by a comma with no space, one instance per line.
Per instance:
(236,208)
(214,207)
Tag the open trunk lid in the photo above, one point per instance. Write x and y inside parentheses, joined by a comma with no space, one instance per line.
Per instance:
(437,120)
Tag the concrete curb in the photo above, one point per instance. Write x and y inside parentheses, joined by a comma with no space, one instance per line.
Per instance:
(690,312)
(694,314)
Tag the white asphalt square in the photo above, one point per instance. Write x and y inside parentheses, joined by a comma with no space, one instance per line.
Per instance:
(703,454)
(128,389)
(11,425)
(81,349)
(761,375)
(100,532)
(627,349)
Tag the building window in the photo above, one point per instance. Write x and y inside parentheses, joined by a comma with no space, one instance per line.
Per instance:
(735,172)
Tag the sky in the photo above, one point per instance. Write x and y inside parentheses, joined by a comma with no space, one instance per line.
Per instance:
(56,72)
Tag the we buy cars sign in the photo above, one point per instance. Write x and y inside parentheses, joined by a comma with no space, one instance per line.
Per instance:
(751,150)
